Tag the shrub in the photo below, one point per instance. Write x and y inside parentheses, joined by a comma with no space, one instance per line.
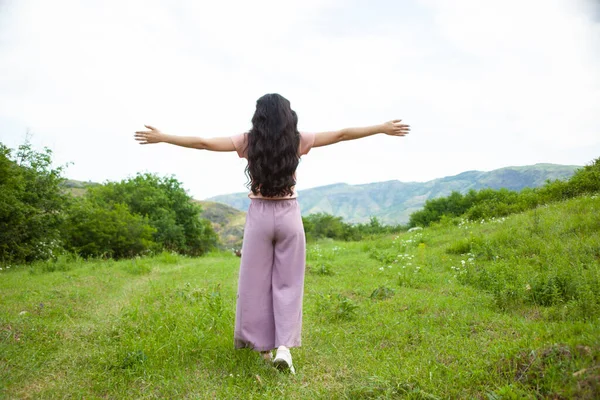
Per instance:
(323,225)
(93,230)
(488,203)
(31,205)
(165,206)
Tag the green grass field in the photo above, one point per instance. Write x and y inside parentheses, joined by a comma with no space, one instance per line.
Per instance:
(500,309)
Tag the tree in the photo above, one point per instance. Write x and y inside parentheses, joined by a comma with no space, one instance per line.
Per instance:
(31,204)
(95,230)
(166,206)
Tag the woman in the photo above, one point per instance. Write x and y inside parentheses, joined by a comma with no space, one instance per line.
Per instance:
(271,277)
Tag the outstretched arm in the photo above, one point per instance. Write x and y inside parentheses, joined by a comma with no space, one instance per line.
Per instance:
(153,135)
(392,128)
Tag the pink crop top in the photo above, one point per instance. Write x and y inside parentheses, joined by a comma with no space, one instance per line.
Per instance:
(307,140)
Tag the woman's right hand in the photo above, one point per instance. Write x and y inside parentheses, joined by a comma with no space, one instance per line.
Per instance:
(396,128)
(150,136)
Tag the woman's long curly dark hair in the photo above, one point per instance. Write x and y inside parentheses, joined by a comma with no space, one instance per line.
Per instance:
(273,147)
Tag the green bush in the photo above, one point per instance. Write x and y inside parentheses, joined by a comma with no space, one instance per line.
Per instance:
(39,219)
(165,206)
(31,205)
(454,205)
(323,225)
(585,181)
(488,203)
(93,230)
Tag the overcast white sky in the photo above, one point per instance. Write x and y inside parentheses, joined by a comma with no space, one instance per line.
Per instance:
(484,84)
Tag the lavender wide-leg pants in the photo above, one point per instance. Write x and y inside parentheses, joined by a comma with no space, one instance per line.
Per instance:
(271,280)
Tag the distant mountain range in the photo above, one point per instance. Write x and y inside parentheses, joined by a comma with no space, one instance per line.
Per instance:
(393,201)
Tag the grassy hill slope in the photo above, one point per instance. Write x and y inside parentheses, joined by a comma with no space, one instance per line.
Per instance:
(227,221)
(504,308)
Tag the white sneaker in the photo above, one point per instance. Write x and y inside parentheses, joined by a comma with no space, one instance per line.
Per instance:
(283,360)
